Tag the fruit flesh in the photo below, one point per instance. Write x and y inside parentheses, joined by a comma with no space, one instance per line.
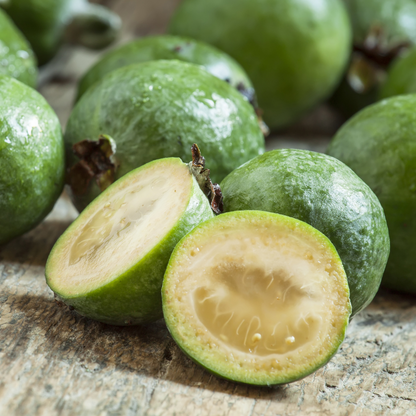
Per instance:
(132,214)
(260,299)
(109,264)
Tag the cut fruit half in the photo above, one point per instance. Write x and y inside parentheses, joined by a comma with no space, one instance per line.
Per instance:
(109,264)
(256,297)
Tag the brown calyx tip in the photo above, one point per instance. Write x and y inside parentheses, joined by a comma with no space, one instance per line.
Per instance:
(371,58)
(97,161)
(211,190)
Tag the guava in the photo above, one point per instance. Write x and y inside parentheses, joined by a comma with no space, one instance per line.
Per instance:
(109,264)
(256,297)
(379,145)
(32,159)
(382,30)
(401,77)
(47,23)
(293,51)
(16,56)
(326,194)
(153,110)
(170,47)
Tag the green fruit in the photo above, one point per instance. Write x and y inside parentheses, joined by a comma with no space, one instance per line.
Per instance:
(31,158)
(326,194)
(154,110)
(257,298)
(401,77)
(109,263)
(16,57)
(47,23)
(293,51)
(382,29)
(379,145)
(170,47)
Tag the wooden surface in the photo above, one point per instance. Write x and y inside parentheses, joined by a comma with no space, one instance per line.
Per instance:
(55,362)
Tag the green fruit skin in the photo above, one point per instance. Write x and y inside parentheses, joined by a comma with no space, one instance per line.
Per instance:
(293,51)
(401,77)
(16,57)
(167,47)
(32,159)
(326,194)
(379,145)
(159,109)
(44,22)
(171,324)
(134,297)
(393,16)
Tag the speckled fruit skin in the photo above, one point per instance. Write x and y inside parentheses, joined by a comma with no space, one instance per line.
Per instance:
(167,47)
(16,57)
(326,194)
(134,297)
(45,24)
(31,158)
(379,145)
(401,78)
(294,51)
(159,109)
(190,345)
(397,20)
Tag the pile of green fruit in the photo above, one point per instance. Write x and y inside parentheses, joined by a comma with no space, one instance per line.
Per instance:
(257,278)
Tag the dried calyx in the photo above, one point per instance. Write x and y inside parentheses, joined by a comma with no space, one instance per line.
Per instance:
(97,161)
(371,59)
(211,190)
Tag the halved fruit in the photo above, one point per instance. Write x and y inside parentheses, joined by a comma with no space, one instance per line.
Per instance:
(256,297)
(110,262)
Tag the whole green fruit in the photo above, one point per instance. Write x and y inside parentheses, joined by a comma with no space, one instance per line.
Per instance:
(170,47)
(379,145)
(16,56)
(382,30)
(154,110)
(31,158)
(257,298)
(47,23)
(401,78)
(293,51)
(109,263)
(326,194)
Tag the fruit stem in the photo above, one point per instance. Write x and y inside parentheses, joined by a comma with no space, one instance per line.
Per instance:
(211,190)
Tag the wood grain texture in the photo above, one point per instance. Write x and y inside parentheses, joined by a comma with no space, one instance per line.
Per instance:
(55,362)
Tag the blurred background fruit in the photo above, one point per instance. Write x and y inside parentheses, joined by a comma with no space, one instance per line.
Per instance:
(16,56)
(382,30)
(293,51)
(48,23)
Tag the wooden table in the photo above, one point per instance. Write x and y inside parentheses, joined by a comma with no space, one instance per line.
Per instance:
(55,362)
